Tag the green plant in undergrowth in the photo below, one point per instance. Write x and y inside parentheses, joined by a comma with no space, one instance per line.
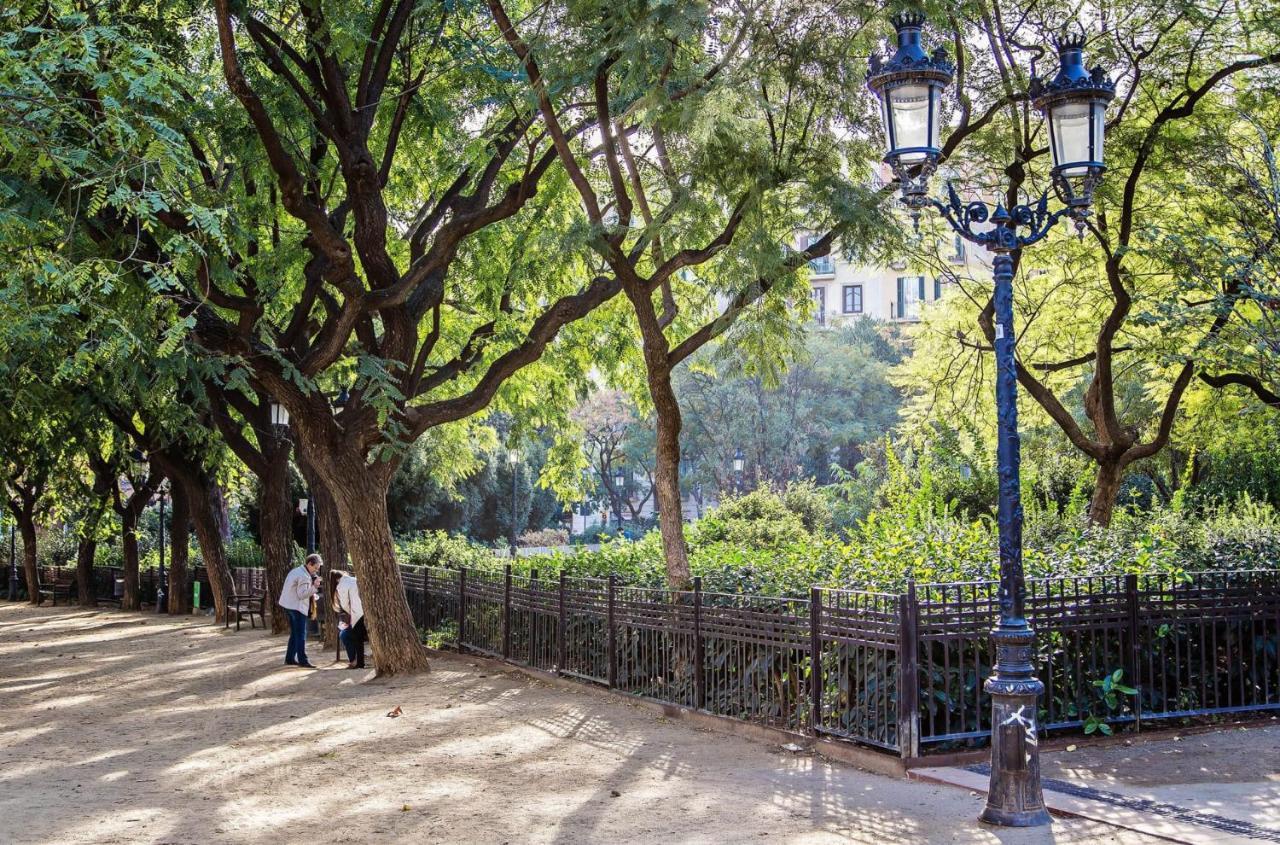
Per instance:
(1109,691)
(438,638)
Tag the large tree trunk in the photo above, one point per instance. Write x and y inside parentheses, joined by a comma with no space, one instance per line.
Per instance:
(204,513)
(27,528)
(104,479)
(1106,488)
(275,508)
(179,543)
(667,481)
(359,494)
(130,512)
(131,600)
(86,551)
(657,360)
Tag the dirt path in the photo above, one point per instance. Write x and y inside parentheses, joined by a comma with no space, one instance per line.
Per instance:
(128,728)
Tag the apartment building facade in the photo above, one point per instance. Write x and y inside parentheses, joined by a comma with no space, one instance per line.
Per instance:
(842,290)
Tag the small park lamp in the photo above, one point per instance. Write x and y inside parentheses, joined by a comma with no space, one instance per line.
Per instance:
(619,484)
(909,86)
(1074,103)
(279,415)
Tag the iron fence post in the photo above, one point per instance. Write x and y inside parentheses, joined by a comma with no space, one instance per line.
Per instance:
(506,612)
(562,646)
(699,669)
(1135,651)
(612,634)
(533,617)
(908,674)
(462,605)
(815,660)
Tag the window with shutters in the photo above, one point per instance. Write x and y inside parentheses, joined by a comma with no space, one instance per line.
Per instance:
(853,299)
(910,295)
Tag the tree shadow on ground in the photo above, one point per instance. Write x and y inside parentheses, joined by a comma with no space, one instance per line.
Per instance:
(121,727)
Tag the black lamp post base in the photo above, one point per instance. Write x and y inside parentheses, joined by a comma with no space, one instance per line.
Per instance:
(1014,798)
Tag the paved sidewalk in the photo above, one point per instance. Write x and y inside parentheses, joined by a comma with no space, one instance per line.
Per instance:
(128,728)
(1206,787)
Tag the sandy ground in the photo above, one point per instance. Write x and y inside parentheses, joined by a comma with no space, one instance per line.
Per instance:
(1231,772)
(129,728)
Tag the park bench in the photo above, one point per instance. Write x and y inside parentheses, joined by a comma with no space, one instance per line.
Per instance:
(53,581)
(247,605)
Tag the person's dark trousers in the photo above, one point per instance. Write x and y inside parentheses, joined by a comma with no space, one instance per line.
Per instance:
(355,642)
(348,643)
(297,649)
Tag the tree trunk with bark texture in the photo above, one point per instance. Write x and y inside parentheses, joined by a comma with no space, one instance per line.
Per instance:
(27,528)
(130,512)
(359,492)
(86,551)
(667,481)
(205,517)
(1106,488)
(657,358)
(179,542)
(275,508)
(131,600)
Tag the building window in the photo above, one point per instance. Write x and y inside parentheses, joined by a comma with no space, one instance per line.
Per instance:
(853,299)
(937,288)
(820,305)
(957,257)
(819,266)
(910,295)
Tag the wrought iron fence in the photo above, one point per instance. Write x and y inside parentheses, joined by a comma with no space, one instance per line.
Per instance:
(899,672)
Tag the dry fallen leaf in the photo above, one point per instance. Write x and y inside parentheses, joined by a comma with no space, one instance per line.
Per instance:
(395,713)
(405,808)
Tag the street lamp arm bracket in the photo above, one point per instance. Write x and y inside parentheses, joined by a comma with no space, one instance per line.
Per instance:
(963,217)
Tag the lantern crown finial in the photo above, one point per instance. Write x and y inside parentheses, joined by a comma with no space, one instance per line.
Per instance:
(907,19)
(1067,40)
(1072,79)
(910,56)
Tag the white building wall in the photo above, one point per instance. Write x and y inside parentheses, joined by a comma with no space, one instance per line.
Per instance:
(842,291)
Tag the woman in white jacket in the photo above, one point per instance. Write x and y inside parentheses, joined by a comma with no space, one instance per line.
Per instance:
(347,598)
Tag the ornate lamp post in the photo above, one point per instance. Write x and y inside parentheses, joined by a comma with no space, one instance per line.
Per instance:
(739,462)
(619,482)
(1075,101)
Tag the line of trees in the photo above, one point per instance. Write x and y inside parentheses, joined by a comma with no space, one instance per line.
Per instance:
(441,210)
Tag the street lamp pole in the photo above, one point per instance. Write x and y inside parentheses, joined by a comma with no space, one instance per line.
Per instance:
(909,86)
(619,486)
